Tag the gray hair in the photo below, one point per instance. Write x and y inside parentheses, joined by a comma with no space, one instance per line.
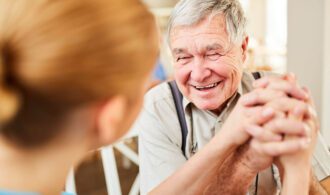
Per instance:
(190,12)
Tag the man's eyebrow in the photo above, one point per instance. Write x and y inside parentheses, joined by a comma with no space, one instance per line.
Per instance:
(214,46)
(179,50)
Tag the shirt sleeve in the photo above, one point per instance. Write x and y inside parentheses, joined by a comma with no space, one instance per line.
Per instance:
(321,159)
(159,150)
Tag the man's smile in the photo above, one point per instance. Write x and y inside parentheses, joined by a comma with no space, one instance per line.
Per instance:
(206,87)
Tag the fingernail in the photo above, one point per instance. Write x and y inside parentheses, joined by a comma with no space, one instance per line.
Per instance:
(267,112)
(306,92)
(298,112)
(292,75)
(306,95)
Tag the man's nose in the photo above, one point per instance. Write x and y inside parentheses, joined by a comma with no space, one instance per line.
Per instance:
(199,72)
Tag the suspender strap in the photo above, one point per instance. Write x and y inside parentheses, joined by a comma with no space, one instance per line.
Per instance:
(256,75)
(177,97)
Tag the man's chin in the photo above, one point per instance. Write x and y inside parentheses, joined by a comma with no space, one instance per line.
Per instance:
(206,106)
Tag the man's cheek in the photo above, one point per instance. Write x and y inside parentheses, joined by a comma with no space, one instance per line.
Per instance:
(182,76)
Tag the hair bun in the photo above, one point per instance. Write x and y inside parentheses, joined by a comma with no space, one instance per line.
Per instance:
(9,99)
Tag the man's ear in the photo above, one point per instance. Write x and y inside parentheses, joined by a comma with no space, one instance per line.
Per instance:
(244,46)
(110,116)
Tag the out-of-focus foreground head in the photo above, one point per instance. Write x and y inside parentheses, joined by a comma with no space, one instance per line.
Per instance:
(56,56)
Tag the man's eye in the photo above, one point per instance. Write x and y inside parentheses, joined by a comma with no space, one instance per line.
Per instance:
(213,56)
(182,58)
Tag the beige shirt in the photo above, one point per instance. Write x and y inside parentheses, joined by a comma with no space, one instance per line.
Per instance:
(160,137)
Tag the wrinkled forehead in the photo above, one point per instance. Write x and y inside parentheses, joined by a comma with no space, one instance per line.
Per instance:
(208,32)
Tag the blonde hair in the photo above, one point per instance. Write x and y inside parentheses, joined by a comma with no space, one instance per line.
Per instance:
(58,55)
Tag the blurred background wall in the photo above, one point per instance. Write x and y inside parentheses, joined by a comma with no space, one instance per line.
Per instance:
(309,52)
(326,74)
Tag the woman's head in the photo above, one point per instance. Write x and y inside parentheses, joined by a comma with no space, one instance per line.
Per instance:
(58,56)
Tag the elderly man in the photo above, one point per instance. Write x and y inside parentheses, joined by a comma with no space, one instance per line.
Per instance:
(223,106)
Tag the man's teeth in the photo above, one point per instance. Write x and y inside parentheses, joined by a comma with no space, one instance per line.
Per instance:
(207,87)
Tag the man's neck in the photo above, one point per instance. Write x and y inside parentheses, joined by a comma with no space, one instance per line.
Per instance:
(220,109)
(223,106)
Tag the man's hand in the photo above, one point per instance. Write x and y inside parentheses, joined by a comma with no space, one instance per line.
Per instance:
(267,139)
(303,111)
(289,96)
(294,163)
(244,115)
(304,114)
(249,109)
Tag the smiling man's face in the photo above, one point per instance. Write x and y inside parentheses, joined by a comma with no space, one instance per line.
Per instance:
(207,66)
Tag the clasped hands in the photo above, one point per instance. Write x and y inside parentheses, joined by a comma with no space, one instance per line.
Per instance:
(275,123)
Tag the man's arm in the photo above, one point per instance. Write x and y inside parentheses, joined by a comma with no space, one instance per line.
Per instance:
(230,173)
(216,169)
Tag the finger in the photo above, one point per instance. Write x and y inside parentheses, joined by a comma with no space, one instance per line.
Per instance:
(312,110)
(288,105)
(307,91)
(261,97)
(256,110)
(262,117)
(251,111)
(288,126)
(280,148)
(290,77)
(265,81)
(262,134)
(277,83)
(310,101)
(291,89)
(297,113)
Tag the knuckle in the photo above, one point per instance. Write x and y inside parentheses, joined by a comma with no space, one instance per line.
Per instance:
(278,123)
(249,97)
(280,149)
(268,136)
(279,94)
(257,93)
(274,151)
(255,145)
(283,100)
